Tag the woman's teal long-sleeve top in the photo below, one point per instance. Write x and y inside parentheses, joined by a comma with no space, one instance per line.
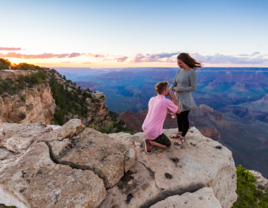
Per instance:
(186,81)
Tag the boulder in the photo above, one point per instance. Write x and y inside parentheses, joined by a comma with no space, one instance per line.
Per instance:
(18,137)
(34,180)
(130,159)
(200,162)
(129,143)
(136,189)
(4,154)
(203,198)
(1,127)
(69,129)
(92,150)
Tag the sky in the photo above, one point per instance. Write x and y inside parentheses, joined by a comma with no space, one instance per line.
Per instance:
(128,33)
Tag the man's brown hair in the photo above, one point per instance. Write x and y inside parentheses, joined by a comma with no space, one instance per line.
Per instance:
(161,86)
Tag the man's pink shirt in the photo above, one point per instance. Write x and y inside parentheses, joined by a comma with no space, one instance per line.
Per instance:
(158,108)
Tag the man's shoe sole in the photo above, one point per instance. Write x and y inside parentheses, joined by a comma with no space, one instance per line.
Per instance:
(145,147)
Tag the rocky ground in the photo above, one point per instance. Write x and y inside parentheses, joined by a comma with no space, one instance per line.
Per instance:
(73,166)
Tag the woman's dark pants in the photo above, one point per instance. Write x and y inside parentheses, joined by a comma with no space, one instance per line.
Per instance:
(183,122)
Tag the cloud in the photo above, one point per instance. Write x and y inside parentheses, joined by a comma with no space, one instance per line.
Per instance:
(121,59)
(231,59)
(105,59)
(138,58)
(96,55)
(254,58)
(9,49)
(87,62)
(117,58)
(65,62)
(41,56)
(256,53)
(157,57)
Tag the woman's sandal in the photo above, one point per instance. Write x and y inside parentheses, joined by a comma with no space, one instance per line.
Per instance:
(176,136)
(182,141)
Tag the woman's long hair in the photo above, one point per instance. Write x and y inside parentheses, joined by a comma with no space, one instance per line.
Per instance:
(189,61)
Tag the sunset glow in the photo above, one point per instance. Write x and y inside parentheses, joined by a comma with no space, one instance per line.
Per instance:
(90,34)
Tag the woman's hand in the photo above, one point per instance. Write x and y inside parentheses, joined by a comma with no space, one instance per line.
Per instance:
(176,89)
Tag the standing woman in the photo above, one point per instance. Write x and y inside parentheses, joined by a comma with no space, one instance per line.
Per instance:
(184,83)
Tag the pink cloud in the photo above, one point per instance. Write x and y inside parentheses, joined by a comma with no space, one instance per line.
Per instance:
(40,56)
(96,55)
(121,59)
(9,49)
(254,58)
(157,57)
(87,62)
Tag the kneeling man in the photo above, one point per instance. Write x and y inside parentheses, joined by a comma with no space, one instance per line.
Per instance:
(158,108)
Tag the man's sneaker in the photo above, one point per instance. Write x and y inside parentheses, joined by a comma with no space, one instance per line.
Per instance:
(147,146)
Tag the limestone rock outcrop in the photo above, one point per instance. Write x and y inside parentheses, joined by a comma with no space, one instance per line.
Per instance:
(19,137)
(14,74)
(97,109)
(200,162)
(28,106)
(203,198)
(74,166)
(1,127)
(34,180)
(92,150)
(260,179)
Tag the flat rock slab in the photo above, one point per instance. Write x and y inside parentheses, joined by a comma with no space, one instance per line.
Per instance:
(35,181)
(203,198)
(18,137)
(92,150)
(69,129)
(1,127)
(200,162)
(136,189)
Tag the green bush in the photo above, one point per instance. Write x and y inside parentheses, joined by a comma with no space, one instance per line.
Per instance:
(22,97)
(25,66)
(11,87)
(248,195)
(4,64)
(68,101)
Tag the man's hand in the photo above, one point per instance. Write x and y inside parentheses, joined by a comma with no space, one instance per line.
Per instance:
(173,115)
(170,95)
(176,89)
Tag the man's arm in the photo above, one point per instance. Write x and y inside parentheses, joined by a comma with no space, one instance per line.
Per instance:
(172,97)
